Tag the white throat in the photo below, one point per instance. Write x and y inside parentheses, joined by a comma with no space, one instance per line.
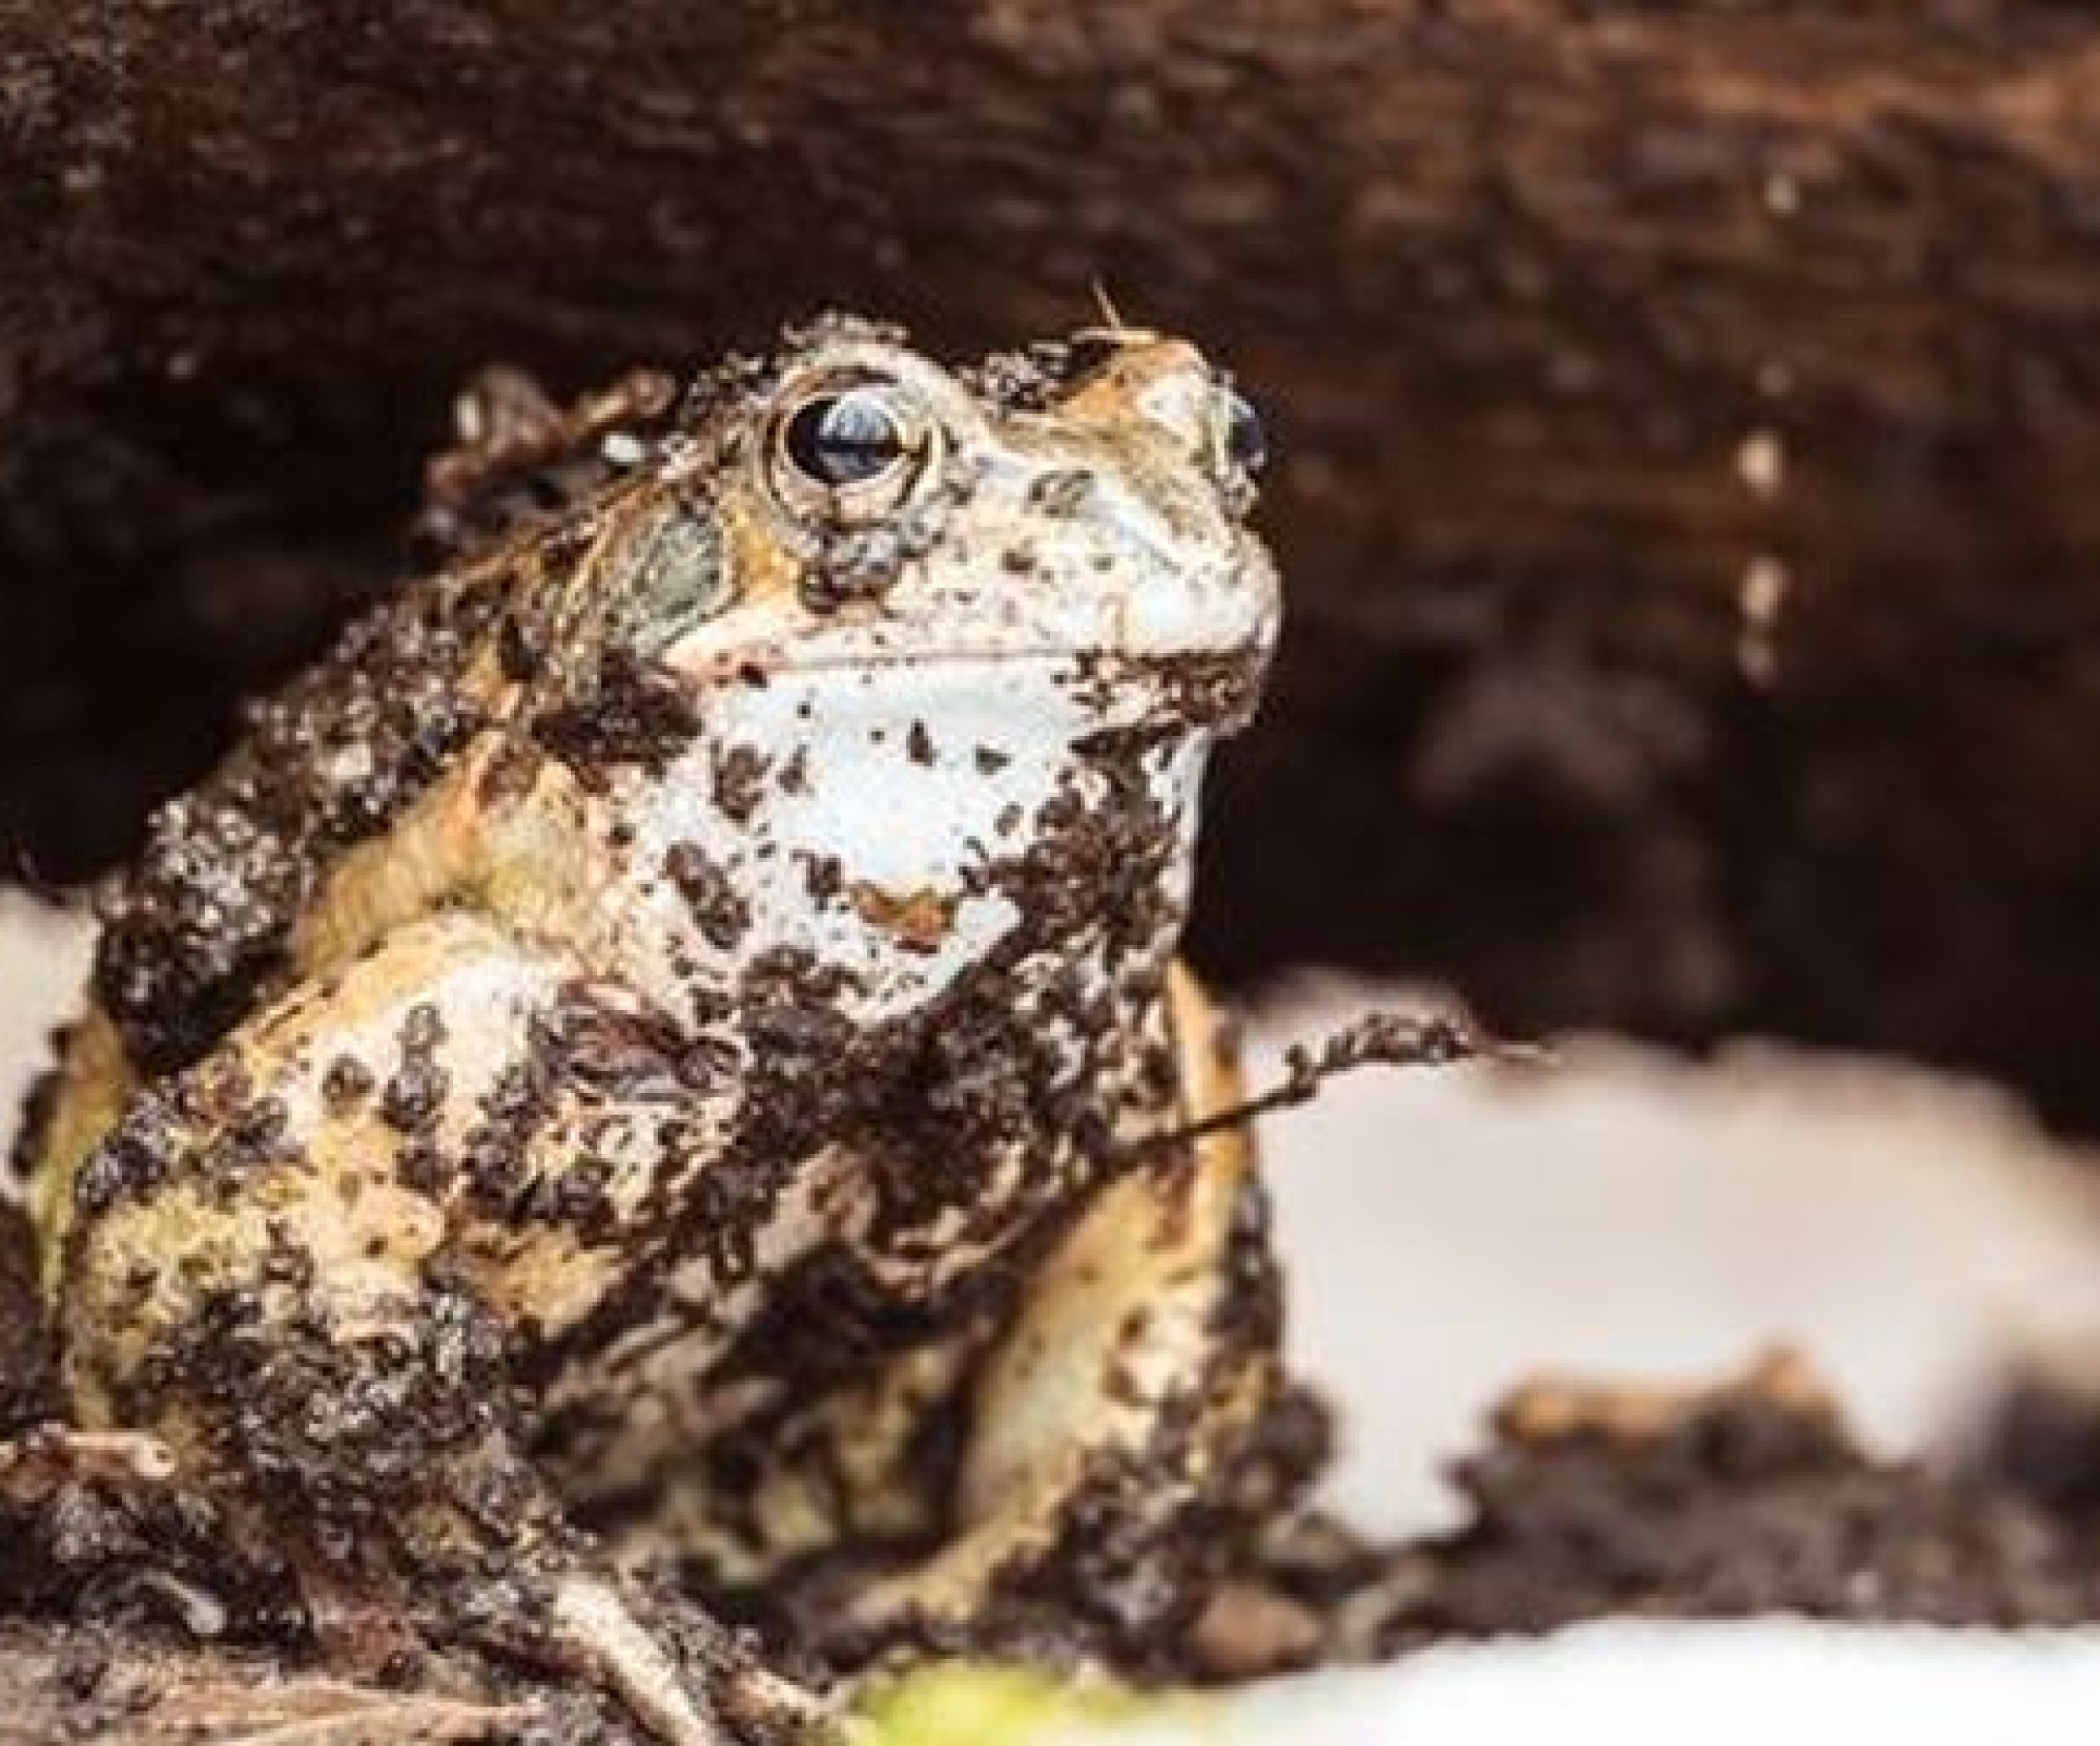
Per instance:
(865,818)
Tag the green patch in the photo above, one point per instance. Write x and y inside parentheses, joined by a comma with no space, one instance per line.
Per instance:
(960,1704)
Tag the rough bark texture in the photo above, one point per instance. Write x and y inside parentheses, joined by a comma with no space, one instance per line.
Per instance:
(1688,414)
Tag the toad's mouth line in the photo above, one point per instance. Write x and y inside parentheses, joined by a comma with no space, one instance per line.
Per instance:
(1107,662)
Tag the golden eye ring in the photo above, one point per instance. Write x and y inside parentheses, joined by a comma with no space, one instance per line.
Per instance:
(849,450)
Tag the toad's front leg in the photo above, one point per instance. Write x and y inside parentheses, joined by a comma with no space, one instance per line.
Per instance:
(1113,1419)
(309,1265)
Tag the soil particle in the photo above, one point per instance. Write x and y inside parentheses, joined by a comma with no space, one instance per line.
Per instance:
(718,910)
(739,782)
(634,716)
(412,1098)
(201,919)
(1751,1499)
(346,1084)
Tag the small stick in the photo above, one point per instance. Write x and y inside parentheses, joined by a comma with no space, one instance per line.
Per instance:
(1383,1039)
(47,1456)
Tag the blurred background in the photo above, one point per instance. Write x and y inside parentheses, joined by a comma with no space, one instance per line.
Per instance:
(1685,421)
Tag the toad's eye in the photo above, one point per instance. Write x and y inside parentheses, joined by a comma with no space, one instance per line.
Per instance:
(1246,444)
(844,439)
(853,449)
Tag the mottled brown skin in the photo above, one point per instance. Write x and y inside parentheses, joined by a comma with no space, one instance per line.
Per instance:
(655,1043)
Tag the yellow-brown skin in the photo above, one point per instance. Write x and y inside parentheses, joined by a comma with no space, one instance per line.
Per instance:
(498,1195)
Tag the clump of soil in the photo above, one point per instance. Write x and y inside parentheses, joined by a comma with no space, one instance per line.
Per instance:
(1750,1499)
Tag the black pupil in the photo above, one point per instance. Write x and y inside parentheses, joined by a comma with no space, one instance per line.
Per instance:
(1244,439)
(843,439)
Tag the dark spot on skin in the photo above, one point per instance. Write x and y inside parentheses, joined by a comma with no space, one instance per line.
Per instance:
(854,563)
(580,1198)
(739,781)
(414,1096)
(494,1154)
(919,743)
(1059,495)
(508,775)
(418,1164)
(345,1084)
(515,655)
(636,715)
(823,876)
(258,1129)
(422,1028)
(717,908)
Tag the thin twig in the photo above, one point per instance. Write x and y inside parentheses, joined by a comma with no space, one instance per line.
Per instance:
(1377,1039)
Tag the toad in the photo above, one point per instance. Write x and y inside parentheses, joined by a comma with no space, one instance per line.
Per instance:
(671,1035)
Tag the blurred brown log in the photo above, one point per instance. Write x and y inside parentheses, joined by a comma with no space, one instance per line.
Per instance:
(1689,417)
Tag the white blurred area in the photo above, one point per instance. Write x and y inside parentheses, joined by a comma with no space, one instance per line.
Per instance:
(1621,1213)
(1653,1683)
(1628,1215)
(44,958)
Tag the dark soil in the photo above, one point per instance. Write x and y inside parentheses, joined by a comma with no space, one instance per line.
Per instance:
(1752,1499)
